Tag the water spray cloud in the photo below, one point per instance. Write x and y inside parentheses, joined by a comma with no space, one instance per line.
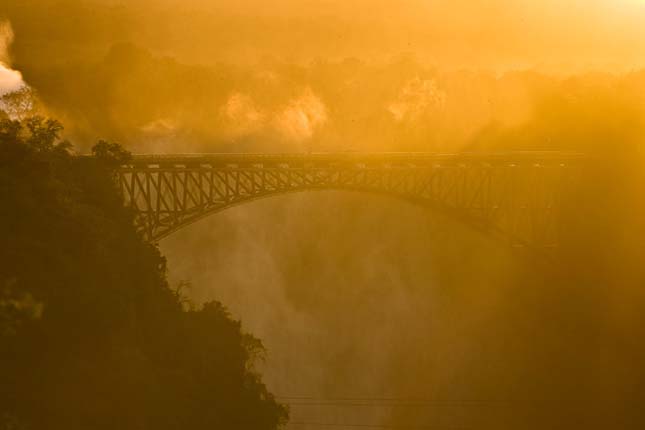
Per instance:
(10,80)
(242,115)
(296,121)
(302,117)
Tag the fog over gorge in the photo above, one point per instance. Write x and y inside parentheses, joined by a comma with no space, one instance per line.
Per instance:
(357,300)
(375,311)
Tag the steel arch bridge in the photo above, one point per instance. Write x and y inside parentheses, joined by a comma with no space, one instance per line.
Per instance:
(516,196)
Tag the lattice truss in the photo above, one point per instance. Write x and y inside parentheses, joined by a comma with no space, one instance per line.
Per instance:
(516,196)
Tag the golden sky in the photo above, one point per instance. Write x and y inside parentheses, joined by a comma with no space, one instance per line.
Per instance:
(329,74)
(548,34)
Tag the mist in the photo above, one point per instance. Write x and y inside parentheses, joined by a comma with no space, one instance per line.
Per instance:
(360,296)
(10,80)
(380,312)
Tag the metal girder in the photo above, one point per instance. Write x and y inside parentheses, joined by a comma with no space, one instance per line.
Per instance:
(515,195)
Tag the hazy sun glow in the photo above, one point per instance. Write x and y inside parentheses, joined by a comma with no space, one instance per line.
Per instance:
(430,212)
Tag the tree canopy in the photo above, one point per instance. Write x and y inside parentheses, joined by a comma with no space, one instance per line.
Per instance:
(91,333)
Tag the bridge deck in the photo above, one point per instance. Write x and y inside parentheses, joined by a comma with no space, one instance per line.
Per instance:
(380,158)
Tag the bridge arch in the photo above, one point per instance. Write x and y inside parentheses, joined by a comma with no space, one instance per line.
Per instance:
(515,196)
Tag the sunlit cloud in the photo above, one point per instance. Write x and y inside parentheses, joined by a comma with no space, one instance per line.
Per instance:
(296,121)
(242,116)
(10,80)
(160,127)
(302,117)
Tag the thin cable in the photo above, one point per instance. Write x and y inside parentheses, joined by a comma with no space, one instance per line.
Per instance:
(380,426)
(368,401)
(409,404)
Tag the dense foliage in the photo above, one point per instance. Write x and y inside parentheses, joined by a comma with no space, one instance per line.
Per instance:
(91,334)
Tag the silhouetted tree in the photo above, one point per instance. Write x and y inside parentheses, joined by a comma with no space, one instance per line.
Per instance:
(91,335)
